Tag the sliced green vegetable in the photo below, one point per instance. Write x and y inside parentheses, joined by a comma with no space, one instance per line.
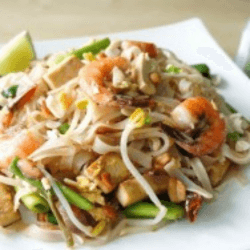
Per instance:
(234,136)
(148,120)
(10,92)
(75,198)
(94,48)
(148,210)
(71,196)
(63,128)
(203,69)
(173,69)
(51,218)
(36,203)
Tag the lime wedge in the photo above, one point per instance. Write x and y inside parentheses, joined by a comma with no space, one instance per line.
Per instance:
(16,54)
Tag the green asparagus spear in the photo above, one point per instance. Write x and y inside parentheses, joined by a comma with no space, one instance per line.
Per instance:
(35,202)
(149,210)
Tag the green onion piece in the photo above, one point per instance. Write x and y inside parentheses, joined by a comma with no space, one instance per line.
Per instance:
(148,120)
(35,202)
(75,198)
(94,48)
(10,92)
(71,196)
(234,136)
(63,128)
(203,69)
(172,69)
(51,218)
(14,169)
(148,210)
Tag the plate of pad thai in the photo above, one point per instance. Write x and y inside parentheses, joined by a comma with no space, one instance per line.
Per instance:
(113,138)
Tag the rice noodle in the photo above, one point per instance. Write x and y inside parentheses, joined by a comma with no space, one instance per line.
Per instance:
(86,121)
(200,172)
(136,155)
(240,158)
(148,189)
(191,186)
(10,181)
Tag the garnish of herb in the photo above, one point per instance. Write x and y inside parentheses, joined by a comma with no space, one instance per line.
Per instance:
(173,69)
(63,128)
(234,136)
(51,218)
(10,92)
(203,69)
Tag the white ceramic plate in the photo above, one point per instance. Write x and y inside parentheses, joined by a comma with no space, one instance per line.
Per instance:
(223,225)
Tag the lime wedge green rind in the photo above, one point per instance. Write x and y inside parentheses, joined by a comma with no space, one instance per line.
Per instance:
(16,55)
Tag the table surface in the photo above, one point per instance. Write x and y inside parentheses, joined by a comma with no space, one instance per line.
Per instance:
(50,19)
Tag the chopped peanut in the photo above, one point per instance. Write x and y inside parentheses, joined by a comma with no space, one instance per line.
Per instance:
(155,78)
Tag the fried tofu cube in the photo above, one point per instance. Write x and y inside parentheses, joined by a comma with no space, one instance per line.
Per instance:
(63,72)
(217,172)
(108,171)
(130,191)
(176,190)
(7,213)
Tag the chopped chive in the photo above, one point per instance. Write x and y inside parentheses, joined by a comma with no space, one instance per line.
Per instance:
(51,218)
(63,128)
(148,120)
(173,69)
(10,92)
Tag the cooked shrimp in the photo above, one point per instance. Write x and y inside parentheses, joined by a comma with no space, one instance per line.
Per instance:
(207,139)
(149,48)
(93,76)
(21,145)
